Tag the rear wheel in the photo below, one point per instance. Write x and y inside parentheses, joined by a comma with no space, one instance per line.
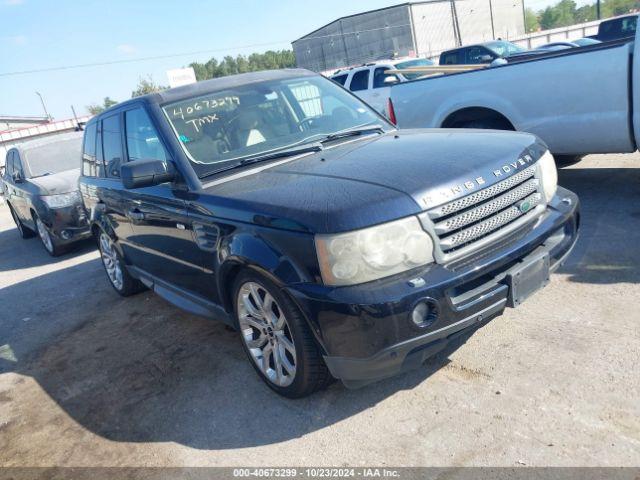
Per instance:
(23,231)
(485,123)
(120,279)
(566,160)
(277,339)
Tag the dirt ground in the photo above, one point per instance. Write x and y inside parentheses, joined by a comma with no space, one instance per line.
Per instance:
(91,379)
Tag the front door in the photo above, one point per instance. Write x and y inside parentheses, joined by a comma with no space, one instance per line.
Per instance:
(162,242)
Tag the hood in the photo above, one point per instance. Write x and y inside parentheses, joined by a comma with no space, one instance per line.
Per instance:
(63,182)
(372,180)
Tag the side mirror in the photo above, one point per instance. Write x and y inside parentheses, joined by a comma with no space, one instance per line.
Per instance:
(390,80)
(17,177)
(146,173)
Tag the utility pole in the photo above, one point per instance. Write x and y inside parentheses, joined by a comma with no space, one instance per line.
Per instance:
(44,107)
(598,9)
(456,26)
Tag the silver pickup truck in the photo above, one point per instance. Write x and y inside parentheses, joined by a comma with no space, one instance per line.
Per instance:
(579,101)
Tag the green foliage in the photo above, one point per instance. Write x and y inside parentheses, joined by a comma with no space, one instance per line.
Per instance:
(95,109)
(566,12)
(146,85)
(531,21)
(241,64)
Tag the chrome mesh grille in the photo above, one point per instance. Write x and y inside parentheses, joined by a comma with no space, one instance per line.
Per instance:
(460,225)
(482,195)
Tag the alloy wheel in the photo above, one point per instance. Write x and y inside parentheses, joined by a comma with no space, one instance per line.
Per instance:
(45,236)
(111,261)
(266,334)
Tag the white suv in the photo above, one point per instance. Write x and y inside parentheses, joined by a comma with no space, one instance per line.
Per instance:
(370,83)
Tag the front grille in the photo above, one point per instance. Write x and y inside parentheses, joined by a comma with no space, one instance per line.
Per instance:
(460,225)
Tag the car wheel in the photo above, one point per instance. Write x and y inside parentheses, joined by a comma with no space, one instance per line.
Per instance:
(48,242)
(23,231)
(277,339)
(116,270)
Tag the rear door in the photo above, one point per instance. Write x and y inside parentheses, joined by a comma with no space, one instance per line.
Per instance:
(162,244)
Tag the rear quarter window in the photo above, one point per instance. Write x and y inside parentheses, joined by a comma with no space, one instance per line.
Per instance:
(89,151)
(341,79)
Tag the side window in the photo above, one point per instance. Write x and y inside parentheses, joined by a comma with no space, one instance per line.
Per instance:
(8,166)
(360,80)
(449,58)
(142,138)
(474,55)
(89,151)
(112,145)
(341,79)
(17,164)
(629,25)
(379,77)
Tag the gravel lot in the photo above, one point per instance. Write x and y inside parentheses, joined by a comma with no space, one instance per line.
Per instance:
(88,378)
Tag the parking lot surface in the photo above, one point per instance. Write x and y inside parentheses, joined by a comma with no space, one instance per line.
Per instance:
(88,378)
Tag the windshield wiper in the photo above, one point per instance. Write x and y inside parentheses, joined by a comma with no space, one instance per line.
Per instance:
(286,152)
(353,133)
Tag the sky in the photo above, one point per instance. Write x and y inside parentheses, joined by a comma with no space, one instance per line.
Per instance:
(51,33)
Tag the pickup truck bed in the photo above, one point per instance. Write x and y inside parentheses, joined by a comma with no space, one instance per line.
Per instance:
(578,101)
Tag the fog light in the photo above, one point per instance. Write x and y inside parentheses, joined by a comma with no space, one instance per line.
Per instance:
(66,234)
(424,313)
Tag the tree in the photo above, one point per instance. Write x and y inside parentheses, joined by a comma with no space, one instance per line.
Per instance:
(146,85)
(240,64)
(95,109)
(531,21)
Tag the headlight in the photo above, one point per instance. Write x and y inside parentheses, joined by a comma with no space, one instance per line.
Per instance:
(372,253)
(548,175)
(61,200)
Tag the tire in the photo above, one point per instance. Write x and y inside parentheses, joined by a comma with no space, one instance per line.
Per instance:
(48,241)
(281,337)
(566,160)
(23,231)
(119,277)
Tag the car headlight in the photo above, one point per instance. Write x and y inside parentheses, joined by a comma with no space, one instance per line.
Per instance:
(548,175)
(375,252)
(61,200)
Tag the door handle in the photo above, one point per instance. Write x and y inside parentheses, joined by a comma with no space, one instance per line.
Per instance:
(135,215)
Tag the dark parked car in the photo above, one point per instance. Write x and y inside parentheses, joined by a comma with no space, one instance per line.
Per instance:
(41,191)
(482,53)
(336,244)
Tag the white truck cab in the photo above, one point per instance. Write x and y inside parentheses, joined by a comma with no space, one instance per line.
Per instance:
(370,83)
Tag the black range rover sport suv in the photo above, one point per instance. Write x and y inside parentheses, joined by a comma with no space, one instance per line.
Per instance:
(337,246)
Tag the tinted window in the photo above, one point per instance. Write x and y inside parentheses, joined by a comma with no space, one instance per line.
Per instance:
(341,79)
(89,151)
(629,26)
(8,164)
(17,164)
(450,58)
(474,55)
(112,145)
(360,81)
(143,141)
(379,76)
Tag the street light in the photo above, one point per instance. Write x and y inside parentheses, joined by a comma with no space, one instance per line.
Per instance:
(44,106)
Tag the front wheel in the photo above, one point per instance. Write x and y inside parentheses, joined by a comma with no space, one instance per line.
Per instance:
(277,339)
(48,242)
(120,279)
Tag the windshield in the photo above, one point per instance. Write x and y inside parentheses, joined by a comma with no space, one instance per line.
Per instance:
(504,49)
(421,62)
(224,127)
(54,157)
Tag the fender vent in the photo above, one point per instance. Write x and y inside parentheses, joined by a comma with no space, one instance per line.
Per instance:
(206,236)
